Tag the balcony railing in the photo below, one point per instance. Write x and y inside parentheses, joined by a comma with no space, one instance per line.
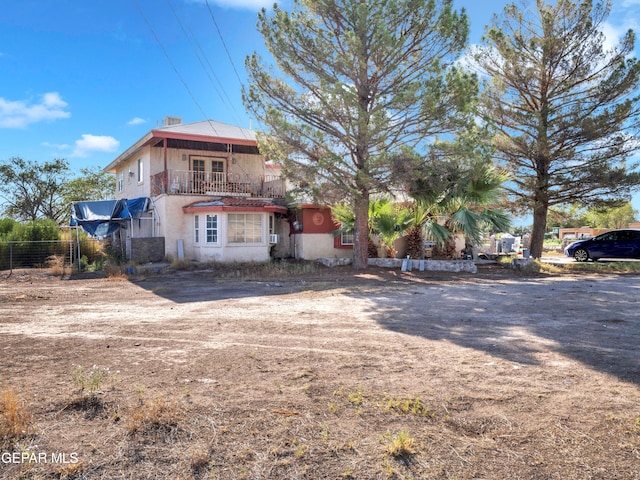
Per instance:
(189,182)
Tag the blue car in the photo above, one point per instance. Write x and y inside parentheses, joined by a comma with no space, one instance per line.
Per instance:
(613,244)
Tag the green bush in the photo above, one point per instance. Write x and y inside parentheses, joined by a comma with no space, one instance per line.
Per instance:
(35,230)
(29,244)
(6,226)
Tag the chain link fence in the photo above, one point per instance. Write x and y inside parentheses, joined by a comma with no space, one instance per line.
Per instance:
(49,253)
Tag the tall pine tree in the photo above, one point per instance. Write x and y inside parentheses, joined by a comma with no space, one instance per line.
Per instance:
(357,82)
(566,108)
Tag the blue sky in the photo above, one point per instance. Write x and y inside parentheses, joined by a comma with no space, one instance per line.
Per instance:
(83,80)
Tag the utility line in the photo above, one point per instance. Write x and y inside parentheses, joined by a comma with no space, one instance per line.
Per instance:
(223,42)
(175,69)
(200,56)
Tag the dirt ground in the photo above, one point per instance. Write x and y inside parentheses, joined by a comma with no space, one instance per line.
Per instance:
(329,375)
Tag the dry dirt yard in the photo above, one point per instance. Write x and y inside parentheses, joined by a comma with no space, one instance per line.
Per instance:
(328,375)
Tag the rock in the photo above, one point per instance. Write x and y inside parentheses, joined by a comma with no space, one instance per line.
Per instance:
(520,263)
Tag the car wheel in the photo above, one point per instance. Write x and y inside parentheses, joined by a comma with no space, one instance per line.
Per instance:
(581,255)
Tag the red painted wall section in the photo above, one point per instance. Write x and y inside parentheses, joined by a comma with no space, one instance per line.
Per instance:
(317,220)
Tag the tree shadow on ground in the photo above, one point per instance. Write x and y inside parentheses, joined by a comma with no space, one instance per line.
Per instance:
(593,320)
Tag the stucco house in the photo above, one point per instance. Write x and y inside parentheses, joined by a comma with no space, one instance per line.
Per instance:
(214,197)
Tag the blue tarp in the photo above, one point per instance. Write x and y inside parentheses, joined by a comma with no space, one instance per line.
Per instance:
(104,217)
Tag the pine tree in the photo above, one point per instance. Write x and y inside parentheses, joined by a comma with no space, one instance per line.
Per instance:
(566,109)
(357,81)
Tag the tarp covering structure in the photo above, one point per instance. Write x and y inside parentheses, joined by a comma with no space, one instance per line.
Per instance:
(101,218)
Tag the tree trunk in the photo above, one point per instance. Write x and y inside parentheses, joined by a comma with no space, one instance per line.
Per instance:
(416,243)
(539,228)
(361,231)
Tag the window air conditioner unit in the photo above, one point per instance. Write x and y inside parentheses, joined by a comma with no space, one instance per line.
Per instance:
(273,238)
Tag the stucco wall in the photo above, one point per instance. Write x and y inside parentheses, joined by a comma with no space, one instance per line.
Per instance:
(172,223)
(235,164)
(133,188)
(310,246)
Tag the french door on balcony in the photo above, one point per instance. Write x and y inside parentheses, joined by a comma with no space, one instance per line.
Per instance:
(208,174)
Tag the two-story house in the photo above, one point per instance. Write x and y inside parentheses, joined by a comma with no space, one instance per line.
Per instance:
(213,196)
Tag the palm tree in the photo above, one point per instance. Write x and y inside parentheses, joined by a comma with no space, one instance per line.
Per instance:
(469,211)
(423,220)
(462,206)
(387,220)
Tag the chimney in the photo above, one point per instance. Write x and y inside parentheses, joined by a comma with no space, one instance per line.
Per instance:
(168,121)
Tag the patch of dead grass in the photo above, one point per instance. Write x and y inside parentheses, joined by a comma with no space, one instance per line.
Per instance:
(15,416)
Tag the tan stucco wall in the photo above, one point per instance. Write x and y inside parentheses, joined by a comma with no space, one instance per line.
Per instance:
(133,188)
(310,246)
(172,223)
(180,159)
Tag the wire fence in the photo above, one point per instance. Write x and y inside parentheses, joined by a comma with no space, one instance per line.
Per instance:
(48,253)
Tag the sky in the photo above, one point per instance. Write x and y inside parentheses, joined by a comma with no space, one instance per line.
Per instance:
(84,80)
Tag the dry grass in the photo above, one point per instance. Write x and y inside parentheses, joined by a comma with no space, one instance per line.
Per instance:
(399,445)
(56,266)
(298,391)
(158,415)
(276,269)
(15,416)
(115,273)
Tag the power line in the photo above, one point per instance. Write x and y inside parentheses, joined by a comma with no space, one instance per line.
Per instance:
(223,42)
(191,38)
(175,69)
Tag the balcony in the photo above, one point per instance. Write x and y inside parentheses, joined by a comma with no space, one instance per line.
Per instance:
(189,182)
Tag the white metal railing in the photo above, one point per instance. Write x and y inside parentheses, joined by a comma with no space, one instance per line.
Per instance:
(190,182)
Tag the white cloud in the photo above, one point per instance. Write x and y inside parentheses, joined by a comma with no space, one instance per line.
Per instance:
(94,143)
(136,121)
(20,113)
(611,35)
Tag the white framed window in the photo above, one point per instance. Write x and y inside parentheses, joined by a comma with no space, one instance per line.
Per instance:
(140,172)
(211,229)
(196,229)
(245,228)
(121,182)
(347,238)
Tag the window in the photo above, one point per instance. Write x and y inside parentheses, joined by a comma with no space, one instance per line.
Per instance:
(217,166)
(121,182)
(212,229)
(347,238)
(196,229)
(198,165)
(140,170)
(245,228)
